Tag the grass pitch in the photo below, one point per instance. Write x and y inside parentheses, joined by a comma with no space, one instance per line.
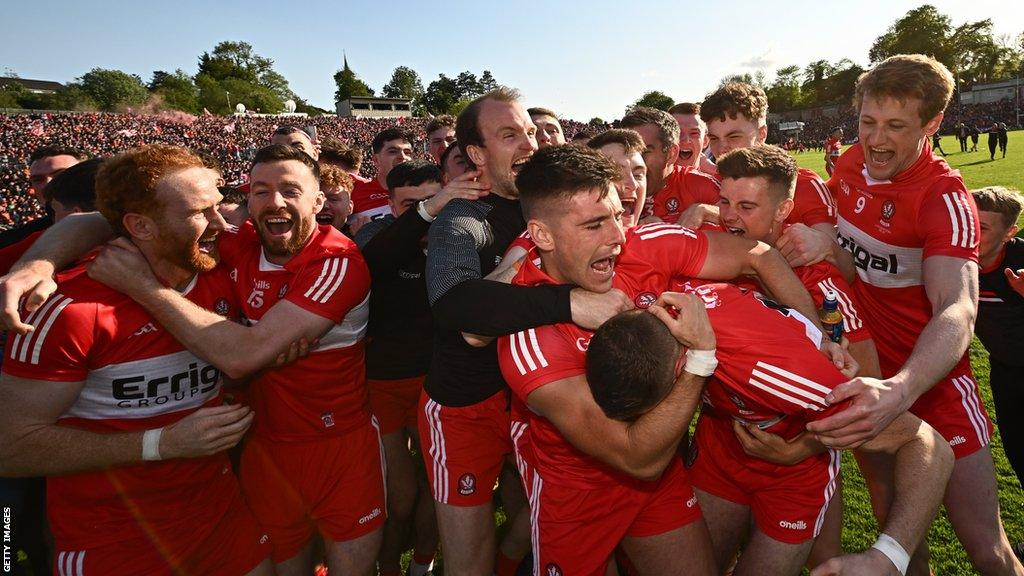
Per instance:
(859,527)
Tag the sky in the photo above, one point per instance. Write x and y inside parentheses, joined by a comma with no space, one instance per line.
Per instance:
(582,59)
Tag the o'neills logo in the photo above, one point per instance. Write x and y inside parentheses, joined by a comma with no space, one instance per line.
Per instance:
(142,391)
(798,525)
(376,512)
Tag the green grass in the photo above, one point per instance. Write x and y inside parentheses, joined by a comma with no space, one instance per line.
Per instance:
(859,527)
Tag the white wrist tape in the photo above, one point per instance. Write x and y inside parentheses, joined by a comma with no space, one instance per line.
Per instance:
(151,444)
(421,209)
(893,551)
(701,362)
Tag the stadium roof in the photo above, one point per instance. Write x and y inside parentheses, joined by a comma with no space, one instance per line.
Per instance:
(38,86)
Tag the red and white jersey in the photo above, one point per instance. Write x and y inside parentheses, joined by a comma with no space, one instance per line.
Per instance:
(325,392)
(683,187)
(833,147)
(770,371)
(812,201)
(651,256)
(891,227)
(369,199)
(136,377)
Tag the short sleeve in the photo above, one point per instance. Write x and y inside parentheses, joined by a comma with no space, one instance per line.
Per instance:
(705,188)
(538,356)
(948,222)
(331,285)
(58,349)
(812,202)
(827,278)
(675,248)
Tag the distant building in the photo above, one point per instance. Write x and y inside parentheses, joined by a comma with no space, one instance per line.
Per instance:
(375,108)
(33,86)
(991,92)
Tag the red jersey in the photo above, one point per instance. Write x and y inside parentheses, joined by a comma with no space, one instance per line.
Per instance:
(137,377)
(812,201)
(369,199)
(9,255)
(891,227)
(757,380)
(683,187)
(833,147)
(650,257)
(325,392)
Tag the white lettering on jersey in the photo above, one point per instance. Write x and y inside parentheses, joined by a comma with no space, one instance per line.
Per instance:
(146,388)
(878,263)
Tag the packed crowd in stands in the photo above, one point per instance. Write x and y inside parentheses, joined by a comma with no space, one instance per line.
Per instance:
(232,140)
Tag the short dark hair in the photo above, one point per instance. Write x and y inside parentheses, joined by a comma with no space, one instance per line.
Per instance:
(668,128)
(1008,203)
(413,173)
(584,136)
(467,125)
(538,111)
(733,99)
(282,153)
(770,162)
(560,172)
(76,186)
(389,134)
(232,195)
(629,139)
(448,152)
(685,108)
(442,121)
(56,150)
(631,364)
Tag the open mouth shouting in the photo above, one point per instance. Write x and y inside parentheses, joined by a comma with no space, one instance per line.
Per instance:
(880,157)
(277,225)
(517,165)
(207,244)
(325,217)
(628,211)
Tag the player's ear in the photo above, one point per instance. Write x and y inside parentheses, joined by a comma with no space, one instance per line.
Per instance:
(673,154)
(540,234)
(762,133)
(932,126)
(139,226)
(783,211)
(476,155)
(1011,233)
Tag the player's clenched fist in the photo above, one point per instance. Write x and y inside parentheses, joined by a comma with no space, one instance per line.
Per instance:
(206,431)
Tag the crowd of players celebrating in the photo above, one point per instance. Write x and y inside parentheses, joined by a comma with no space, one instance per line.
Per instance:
(217,381)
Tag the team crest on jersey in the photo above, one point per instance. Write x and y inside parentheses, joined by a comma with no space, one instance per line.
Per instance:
(328,419)
(672,204)
(282,291)
(221,307)
(888,209)
(582,344)
(645,299)
(552,569)
(467,484)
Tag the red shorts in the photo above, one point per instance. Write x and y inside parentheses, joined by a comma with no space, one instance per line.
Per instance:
(335,485)
(954,408)
(395,402)
(788,503)
(234,546)
(464,448)
(576,531)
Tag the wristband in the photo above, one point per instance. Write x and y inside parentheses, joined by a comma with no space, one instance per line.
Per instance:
(421,209)
(893,551)
(701,362)
(151,444)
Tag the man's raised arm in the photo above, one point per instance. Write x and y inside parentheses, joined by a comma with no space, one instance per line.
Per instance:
(31,277)
(207,334)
